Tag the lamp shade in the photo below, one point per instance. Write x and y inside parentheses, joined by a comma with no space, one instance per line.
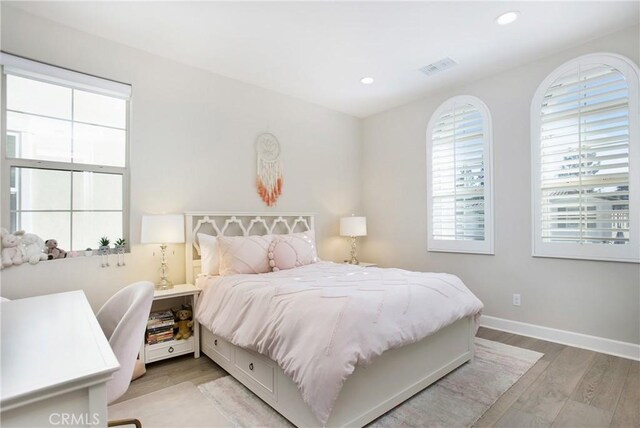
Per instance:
(162,229)
(353,226)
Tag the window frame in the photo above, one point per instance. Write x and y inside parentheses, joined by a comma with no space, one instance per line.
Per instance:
(461,246)
(6,163)
(615,253)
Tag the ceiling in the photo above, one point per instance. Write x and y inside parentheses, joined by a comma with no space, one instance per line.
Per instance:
(319,51)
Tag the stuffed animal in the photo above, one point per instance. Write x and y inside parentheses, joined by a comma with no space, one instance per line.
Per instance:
(11,254)
(183,323)
(32,248)
(53,251)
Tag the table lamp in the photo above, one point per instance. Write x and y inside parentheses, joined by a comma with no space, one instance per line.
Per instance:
(163,230)
(353,227)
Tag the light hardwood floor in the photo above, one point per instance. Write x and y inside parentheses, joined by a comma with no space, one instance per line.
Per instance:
(568,387)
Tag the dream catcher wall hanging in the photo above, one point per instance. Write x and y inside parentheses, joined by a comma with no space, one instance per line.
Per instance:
(269,178)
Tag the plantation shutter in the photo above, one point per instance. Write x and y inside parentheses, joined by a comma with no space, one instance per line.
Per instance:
(584,157)
(458,174)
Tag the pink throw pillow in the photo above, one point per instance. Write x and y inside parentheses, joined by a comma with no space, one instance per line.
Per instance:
(289,251)
(281,255)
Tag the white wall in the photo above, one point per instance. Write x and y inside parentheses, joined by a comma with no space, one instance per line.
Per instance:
(595,298)
(192,136)
(192,148)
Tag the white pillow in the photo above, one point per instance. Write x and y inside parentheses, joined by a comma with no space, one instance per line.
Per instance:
(209,254)
(244,254)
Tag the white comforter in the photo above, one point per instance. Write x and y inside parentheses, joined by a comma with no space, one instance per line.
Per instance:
(319,321)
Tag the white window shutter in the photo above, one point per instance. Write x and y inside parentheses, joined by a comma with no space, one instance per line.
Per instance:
(583,136)
(459,177)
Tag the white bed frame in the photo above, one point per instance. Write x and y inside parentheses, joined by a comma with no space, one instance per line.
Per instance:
(370,391)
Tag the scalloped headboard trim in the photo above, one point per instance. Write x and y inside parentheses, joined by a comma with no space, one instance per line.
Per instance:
(221,224)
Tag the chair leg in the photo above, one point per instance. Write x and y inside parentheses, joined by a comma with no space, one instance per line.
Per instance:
(121,422)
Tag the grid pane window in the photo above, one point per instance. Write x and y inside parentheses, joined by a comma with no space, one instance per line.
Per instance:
(40,138)
(97,145)
(99,109)
(66,149)
(35,97)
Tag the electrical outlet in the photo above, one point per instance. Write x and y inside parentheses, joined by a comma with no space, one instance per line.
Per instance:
(516,300)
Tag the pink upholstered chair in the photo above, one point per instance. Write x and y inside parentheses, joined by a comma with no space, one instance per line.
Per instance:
(123,319)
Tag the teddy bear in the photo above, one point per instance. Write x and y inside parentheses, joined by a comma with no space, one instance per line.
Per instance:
(183,323)
(33,248)
(11,254)
(53,251)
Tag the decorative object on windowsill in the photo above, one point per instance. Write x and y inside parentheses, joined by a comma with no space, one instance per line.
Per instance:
(163,230)
(20,247)
(353,227)
(53,252)
(119,249)
(269,180)
(33,248)
(103,249)
(88,252)
(11,255)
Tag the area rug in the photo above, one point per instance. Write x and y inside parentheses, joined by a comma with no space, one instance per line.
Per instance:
(180,405)
(457,400)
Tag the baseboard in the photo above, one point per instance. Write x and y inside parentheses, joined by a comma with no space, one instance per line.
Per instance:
(578,340)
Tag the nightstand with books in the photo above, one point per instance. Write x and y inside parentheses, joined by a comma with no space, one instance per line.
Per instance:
(159,341)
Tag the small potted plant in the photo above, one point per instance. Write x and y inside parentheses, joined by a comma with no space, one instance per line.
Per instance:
(104,245)
(120,243)
(88,252)
(119,250)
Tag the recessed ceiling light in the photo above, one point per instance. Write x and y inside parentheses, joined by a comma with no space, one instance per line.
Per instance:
(507,18)
(366,80)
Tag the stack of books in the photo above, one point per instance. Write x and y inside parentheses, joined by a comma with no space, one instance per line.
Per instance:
(160,327)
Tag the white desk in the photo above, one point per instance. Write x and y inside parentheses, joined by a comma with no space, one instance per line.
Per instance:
(55,362)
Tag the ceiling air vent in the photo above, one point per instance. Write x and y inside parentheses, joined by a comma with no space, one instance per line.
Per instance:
(438,66)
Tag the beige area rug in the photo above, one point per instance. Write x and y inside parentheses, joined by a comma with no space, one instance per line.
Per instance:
(178,406)
(457,400)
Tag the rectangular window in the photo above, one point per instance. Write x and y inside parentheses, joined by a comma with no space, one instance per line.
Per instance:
(64,155)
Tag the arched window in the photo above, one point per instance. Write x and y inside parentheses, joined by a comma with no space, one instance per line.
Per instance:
(586,161)
(459,177)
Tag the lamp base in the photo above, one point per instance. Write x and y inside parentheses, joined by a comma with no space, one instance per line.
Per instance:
(164,284)
(354,251)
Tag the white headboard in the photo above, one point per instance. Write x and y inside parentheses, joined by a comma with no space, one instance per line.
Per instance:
(237,224)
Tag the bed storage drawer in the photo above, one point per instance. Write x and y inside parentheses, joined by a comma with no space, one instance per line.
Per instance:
(222,348)
(218,345)
(256,368)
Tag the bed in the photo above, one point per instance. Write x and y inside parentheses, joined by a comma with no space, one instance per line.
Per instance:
(372,389)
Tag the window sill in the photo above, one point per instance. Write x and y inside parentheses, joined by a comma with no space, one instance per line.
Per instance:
(462,251)
(585,258)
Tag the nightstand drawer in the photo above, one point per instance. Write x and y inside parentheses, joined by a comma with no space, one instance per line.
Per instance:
(256,368)
(169,349)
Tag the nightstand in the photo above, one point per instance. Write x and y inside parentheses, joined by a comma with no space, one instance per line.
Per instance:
(363,264)
(161,300)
